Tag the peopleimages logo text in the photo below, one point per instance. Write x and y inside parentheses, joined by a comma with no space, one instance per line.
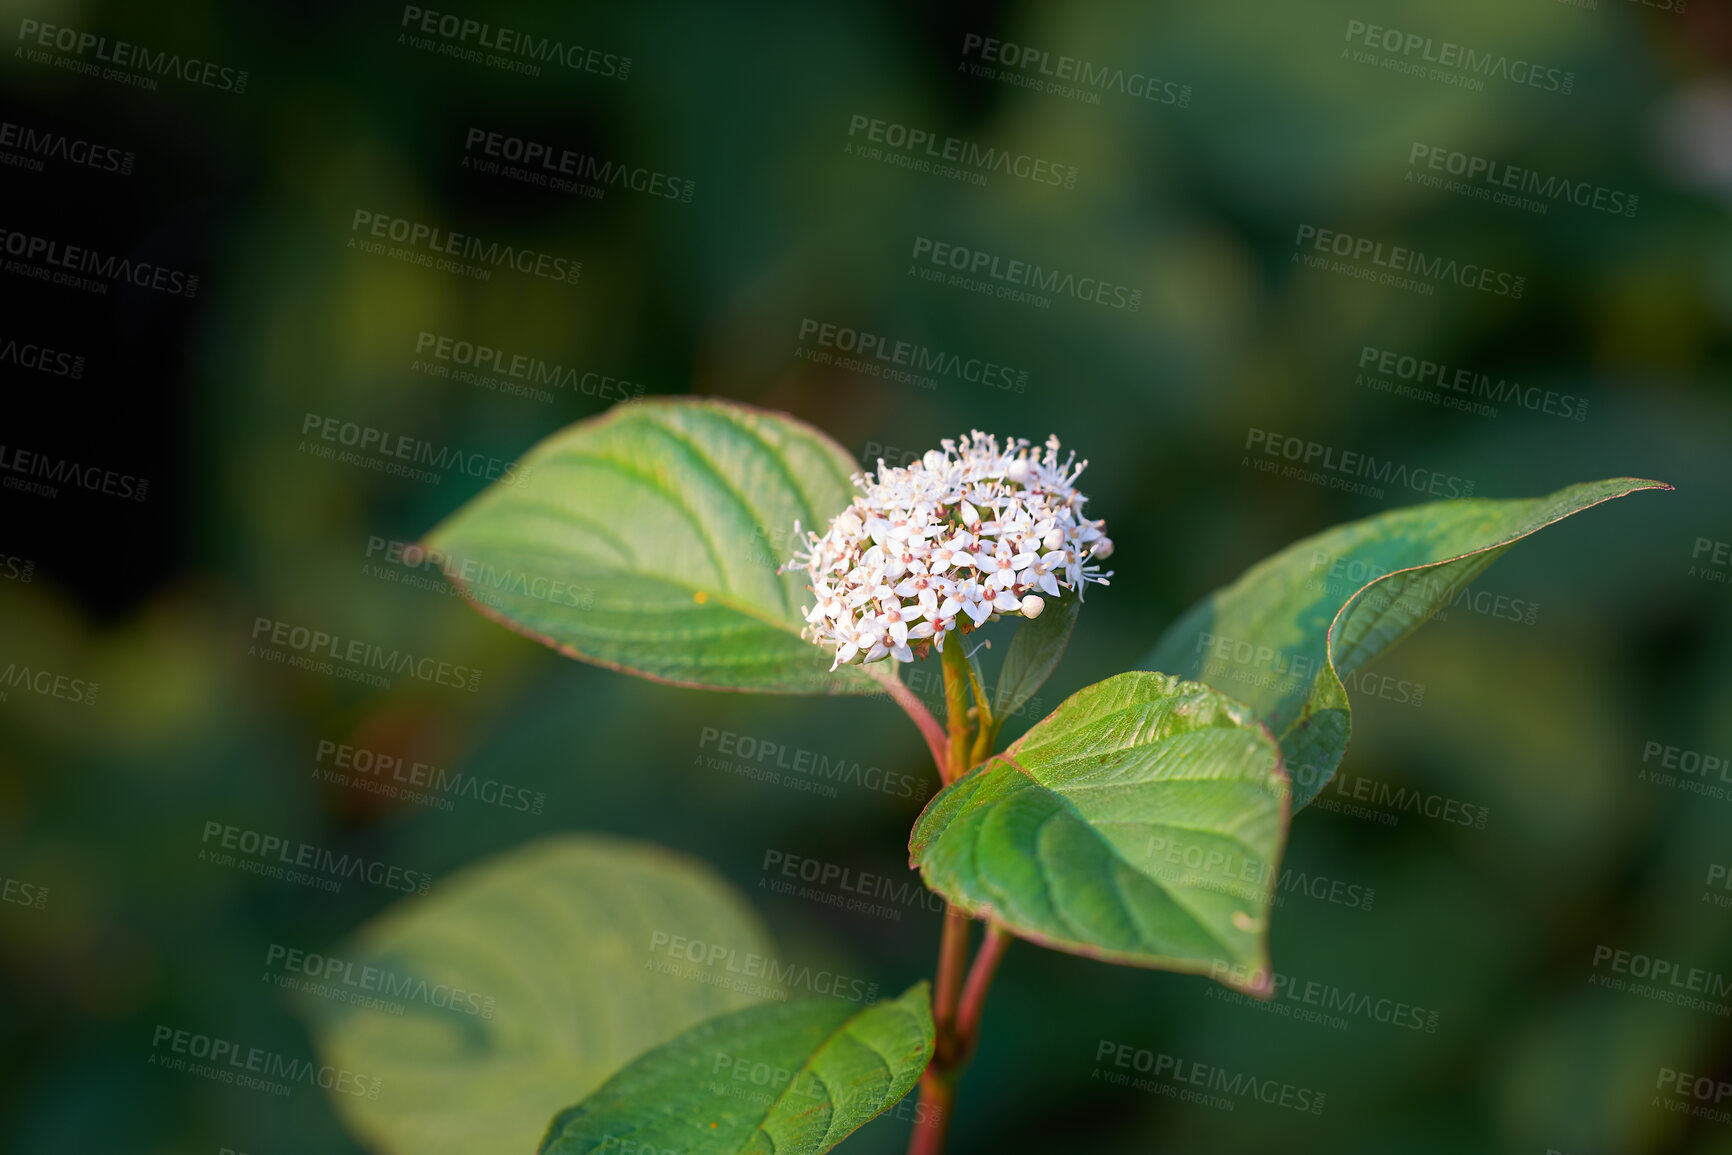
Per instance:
(402,447)
(1451,379)
(69,260)
(28,355)
(368,655)
(1026,274)
(1352,463)
(523,367)
(229,1057)
(966,153)
(123,54)
(280,851)
(374,980)
(1500,179)
(46,144)
(47,683)
(1399,259)
(1070,70)
(64,471)
(480,579)
(524,48)
(916,358)
(1446,54)
(776,973)
(435,241)
(359,764)
(554,161)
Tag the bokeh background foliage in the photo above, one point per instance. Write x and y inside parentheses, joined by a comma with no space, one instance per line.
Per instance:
(1542,725)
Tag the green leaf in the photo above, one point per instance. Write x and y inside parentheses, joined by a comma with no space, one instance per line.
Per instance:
(780,1079)
(647,540)
(540,958)
(1034,653)
(1285,634)
(1141,822)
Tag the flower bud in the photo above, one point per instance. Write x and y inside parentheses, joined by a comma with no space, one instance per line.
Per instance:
(1032,605)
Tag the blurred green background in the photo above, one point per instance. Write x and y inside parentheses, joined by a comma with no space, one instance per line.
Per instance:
(1541,724)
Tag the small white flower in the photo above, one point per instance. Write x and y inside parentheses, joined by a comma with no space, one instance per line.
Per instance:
(965,534)
(1004,568)
(953,552)
(970,598)
(1040,572)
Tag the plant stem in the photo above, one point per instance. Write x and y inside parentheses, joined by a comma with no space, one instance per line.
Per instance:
(986,960)
(956,1000)
(952,961)
(956,678)
(916,710)
(983,744)
(956,1023)
(932,1113)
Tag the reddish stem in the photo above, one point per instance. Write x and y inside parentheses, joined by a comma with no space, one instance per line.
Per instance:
(956,1002)
(936,739)
(932,1113)
(956,1023)
(979,980)
(952,959)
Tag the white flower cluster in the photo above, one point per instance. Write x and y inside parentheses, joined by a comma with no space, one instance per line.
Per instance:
(946,544)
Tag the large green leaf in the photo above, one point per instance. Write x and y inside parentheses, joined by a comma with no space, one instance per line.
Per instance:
(1283,636)
(647,540)
(781,1079)
(521,982)
(1141,822)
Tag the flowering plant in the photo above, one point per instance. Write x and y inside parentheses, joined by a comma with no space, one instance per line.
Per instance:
(1141,822)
